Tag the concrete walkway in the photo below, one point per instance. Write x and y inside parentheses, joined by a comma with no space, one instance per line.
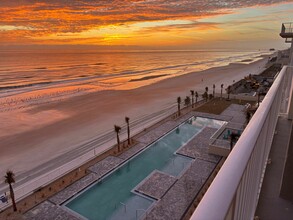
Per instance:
(271,206)
(286,189)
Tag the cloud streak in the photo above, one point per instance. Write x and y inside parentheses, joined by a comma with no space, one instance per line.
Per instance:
(44,18)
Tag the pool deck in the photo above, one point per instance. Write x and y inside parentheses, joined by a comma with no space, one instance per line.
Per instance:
(174,194)
(197,148)
(105,166)
(156,185)
(132,151)
(180,196)
(48,211)
(73,189)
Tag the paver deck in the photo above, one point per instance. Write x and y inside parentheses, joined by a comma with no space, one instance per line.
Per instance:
(198,146)
(73,189)
(156,184)
(156,133)
(48,211)
(132,151)
(105,166)
(175,202)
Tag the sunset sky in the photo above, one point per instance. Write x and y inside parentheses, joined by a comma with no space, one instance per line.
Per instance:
(150,24)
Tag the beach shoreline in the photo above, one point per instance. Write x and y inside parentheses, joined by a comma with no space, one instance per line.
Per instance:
(85,117)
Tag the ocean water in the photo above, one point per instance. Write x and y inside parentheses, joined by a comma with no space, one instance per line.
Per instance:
(28,78)
(104,70)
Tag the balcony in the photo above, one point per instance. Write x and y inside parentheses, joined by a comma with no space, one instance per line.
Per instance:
(287,30)
(237,192)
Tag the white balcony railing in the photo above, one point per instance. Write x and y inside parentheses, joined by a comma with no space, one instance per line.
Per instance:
(235,191)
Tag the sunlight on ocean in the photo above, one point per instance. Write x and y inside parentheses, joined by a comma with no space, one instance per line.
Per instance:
(34,78)
(108,69)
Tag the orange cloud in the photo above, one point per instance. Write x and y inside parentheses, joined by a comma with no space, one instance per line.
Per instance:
(63,21)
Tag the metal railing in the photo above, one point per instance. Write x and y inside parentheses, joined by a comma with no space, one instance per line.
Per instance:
(235,191)
(287,28)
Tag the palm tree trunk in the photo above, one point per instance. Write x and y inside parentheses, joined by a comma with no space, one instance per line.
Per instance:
(12,197)
(128,133)
(179,109)
(192,102)
(118,142)
(221,93)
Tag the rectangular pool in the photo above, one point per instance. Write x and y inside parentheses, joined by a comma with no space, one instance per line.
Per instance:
(112,198)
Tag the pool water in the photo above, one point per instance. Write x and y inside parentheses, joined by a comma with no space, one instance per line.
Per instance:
(112,198)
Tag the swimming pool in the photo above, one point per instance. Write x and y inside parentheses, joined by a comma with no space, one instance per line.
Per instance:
(112,198)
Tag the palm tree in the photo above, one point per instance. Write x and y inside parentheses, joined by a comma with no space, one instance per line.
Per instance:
(206,93)
(128,130)
(187,101)
(214,86)
(179,102)
(228,92)
(9,178)
(196,97)
(222,85)
(192,98)
(117,130)
(205,96)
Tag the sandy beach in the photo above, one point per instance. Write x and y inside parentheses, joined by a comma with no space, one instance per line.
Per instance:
(33,136)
